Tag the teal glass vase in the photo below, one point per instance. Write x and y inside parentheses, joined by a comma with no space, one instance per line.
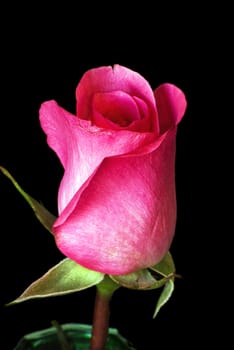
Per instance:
(77,337)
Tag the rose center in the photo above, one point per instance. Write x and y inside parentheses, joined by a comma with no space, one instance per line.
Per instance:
(117,106)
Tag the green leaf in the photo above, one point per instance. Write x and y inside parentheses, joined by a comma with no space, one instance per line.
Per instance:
(165,295)
(64,278)
(43,215)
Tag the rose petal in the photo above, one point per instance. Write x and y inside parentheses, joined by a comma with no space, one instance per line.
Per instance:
(108,79)
(125,218)
(142,107)
(171,105)
(82,147)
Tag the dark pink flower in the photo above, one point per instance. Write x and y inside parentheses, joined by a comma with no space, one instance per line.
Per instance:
(116,201)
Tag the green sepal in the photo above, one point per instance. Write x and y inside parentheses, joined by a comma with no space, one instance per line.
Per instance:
(44,216)
(64,278)
(165,267)
(153,277)
(141,280)
(164,296)
(159,275)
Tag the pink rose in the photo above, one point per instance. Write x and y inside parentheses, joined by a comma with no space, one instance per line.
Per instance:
(116,201)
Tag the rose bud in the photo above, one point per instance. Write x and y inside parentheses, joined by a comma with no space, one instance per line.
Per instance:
(117,199)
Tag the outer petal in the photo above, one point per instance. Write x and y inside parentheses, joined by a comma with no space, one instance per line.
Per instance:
(81,147)
(125,218)
(171,105)
(108,79)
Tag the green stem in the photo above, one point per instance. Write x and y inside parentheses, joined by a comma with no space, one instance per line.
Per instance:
(101,315)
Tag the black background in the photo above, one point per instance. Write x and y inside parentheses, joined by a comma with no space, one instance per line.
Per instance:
(42,65)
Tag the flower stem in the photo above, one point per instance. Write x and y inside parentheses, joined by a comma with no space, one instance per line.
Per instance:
(101,315)
(100,322)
